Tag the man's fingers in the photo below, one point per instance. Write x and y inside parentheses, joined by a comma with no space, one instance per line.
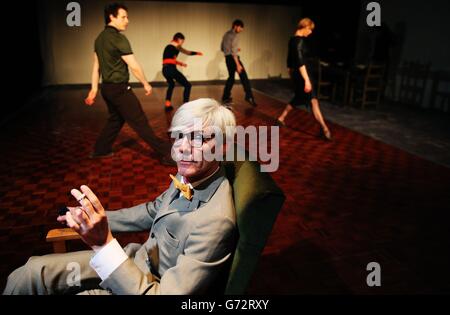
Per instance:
(62,217)
(71,222)
(79,216)
(93,199)
(84,201)
(74,215)
(83,218)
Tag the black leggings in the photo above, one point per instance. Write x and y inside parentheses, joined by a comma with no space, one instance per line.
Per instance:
(172,74)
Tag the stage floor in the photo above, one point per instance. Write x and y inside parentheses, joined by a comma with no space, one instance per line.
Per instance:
(349,202)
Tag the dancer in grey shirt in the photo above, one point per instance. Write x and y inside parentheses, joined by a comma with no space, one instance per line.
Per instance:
(230,49)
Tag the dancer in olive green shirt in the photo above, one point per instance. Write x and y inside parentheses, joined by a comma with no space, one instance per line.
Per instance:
(112,58)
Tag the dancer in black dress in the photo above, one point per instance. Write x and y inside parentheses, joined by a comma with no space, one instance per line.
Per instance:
(171,72)
(300,74)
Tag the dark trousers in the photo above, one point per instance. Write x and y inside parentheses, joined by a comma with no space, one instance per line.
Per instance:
(301,98)
(124,106)
(232,69)
(172,74)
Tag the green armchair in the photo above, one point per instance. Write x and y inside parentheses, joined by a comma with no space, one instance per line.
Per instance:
(258,200)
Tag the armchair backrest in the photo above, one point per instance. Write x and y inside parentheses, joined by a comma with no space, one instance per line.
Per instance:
(258,201)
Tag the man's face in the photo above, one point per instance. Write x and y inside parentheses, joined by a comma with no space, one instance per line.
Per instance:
(121,21)
(189,148)
(238,29)
(308,31)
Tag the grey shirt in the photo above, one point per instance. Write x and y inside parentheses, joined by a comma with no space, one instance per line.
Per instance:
(230,43)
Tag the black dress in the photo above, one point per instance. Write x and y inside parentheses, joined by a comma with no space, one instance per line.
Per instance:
(297,57)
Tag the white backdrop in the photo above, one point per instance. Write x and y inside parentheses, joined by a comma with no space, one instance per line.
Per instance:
(67,51)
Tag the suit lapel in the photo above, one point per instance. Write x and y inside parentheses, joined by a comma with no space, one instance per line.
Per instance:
(172,194)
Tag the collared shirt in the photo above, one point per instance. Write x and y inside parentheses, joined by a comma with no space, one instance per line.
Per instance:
(110,46)
(195,184)
(230,43)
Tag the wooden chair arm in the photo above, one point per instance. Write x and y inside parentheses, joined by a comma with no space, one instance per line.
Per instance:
(59,237)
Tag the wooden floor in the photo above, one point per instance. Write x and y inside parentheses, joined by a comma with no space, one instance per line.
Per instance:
(349,202)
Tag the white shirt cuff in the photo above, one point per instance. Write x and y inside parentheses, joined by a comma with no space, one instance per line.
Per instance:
(108,259)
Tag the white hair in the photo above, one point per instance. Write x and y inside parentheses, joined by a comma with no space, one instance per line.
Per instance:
(211,113)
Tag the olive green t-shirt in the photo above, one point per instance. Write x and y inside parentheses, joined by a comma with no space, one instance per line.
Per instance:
(110,46)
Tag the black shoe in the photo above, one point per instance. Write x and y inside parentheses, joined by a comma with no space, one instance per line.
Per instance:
(251,100)
(228,100)
(281,123)
(326,135)
(94,155)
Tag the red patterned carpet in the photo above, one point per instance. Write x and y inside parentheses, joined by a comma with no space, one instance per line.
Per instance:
(349,202)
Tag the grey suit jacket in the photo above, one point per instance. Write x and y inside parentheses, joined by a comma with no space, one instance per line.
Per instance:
(190,243)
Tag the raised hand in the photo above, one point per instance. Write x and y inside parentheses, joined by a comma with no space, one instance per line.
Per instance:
(89,220)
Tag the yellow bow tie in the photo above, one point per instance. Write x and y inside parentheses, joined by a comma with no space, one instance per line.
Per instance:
(184,188)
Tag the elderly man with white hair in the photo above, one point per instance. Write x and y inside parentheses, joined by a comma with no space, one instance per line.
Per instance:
(192,226)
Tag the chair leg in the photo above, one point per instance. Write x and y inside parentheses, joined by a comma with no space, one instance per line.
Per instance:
(350,99)
(333,94)
(59,247)
(346,88)
(363,101)
(378,99)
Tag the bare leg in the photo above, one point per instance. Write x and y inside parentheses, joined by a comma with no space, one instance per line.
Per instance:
(285,113)
(319,118)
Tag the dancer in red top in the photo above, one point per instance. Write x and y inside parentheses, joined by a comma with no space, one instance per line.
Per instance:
(170,70)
